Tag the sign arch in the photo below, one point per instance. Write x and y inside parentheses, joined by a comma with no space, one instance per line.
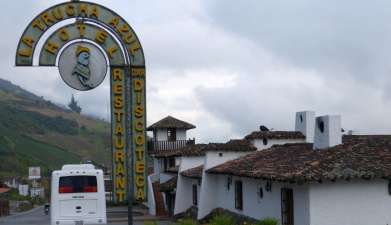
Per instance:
(111,32)
(78,10)
(66,34)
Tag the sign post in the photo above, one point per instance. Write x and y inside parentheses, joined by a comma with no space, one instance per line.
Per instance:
(93,40)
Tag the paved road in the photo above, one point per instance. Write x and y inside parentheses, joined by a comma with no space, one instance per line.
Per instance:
(33,217)
(37,217)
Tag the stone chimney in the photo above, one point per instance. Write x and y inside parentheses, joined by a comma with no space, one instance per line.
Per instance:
(305,123)
(327,131)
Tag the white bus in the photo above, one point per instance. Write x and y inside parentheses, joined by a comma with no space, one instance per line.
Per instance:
(78,196)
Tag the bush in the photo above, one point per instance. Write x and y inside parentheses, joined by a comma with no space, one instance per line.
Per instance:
(14,195)
(24,206)
(222,220)
(186,222)
(268,221)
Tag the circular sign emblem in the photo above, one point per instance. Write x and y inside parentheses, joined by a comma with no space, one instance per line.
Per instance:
(82,66)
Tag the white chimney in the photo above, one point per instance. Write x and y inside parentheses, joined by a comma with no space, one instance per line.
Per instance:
(305,123)
(327,131)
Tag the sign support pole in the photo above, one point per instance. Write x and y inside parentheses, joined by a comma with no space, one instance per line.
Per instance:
(99,32)
(129,161)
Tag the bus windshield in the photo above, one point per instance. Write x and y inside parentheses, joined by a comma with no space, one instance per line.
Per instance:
(77,184)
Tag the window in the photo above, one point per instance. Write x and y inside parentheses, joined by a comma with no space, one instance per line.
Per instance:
(321,125)
(264,141)
(195,194)
(389,187)
(77,184)
(229,182)
(268,186)
(239,195)
(171,162)
(171,134)
(287,206)
(260,192)
(165,164)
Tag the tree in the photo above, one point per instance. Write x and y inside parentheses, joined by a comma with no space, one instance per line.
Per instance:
(74,106)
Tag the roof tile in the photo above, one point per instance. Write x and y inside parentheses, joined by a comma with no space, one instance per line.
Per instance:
(171,122)
(275,135)
(169,185)
(188,150)
(236,145)
(195,172)
(358,157)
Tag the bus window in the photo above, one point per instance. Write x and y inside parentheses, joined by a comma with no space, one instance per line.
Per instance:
(77,184)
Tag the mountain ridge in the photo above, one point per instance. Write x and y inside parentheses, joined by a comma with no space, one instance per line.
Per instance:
(37,132)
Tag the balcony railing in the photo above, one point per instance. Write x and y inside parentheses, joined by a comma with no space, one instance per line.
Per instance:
(168,145)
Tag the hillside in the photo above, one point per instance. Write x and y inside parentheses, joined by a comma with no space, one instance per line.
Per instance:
(36,132)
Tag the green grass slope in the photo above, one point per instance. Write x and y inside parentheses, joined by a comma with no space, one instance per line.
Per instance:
(36,132)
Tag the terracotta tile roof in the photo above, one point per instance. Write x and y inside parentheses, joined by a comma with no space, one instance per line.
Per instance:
(195,172)
(169,185)
(200,149)
(188,150)
(358,157)
(359,138)
(232,145)
(4,190)
(171,122)
(275,135)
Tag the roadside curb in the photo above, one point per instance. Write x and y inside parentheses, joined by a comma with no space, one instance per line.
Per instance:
(125,219)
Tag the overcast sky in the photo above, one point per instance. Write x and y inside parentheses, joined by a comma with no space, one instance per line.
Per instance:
(229,66)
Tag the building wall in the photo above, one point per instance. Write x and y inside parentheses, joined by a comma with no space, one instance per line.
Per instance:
(184,193)
(161,134)
(256,207)
(331,134)
(357,202)
(151,197)
(178,161)
(258,143)
(181,134)
(156,166)
(214,158)
(209,181)
(305,123)
(208,200)
(191,162)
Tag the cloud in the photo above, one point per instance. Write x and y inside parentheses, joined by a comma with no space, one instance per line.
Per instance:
(340,38)
(229,66)
(329,56)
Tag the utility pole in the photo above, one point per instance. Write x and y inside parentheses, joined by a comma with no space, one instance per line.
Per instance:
(128,138)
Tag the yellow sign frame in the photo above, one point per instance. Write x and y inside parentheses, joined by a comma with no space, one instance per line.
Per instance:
(128,95)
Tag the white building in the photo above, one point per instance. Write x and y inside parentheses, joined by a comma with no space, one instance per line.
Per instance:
(189,158)
(335,180)
(23,189)
(12,183)
(37,192)
(192,181)
(169,139)
(311,176)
